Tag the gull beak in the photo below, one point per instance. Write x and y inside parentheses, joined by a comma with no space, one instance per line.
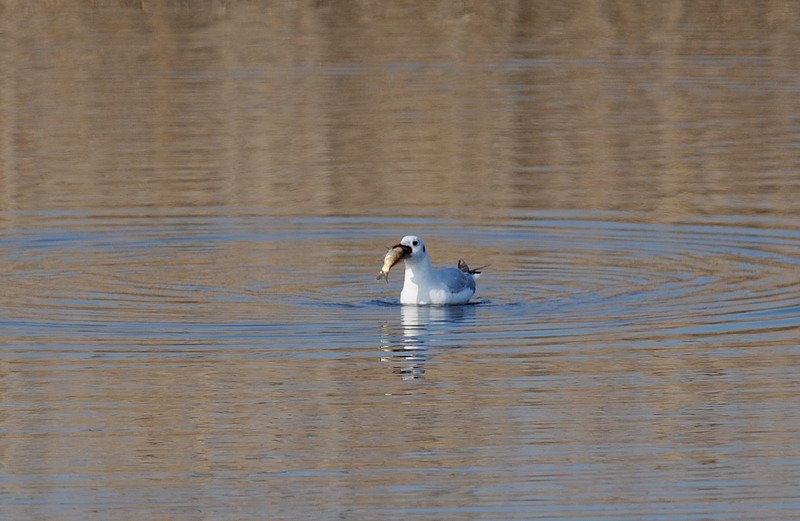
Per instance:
(406,249)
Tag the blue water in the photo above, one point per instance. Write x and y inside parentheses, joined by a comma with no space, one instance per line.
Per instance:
(605,368)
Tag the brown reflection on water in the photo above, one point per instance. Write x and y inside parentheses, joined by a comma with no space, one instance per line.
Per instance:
(344,107)
(218,429)
(134,137)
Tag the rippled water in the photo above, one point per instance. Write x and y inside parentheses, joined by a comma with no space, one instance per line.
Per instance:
(194,203)
(607,368)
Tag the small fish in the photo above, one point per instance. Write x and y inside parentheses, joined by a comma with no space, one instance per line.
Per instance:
(395,254)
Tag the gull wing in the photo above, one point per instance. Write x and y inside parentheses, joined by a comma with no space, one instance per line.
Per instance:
(457,280)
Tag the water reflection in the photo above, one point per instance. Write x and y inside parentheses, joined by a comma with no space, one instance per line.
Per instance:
(421,327)
(193,196)
(490,106)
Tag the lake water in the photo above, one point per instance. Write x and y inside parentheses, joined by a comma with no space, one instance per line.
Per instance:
(195,202)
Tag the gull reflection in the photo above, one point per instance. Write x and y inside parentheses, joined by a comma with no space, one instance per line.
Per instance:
(421,327)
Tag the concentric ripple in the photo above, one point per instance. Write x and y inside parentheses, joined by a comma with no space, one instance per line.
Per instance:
(652,360)
(553,277)
(652,281)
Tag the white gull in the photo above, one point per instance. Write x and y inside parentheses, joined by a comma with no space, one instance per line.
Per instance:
(425,285)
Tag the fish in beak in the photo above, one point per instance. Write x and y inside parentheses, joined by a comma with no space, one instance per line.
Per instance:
(395,254)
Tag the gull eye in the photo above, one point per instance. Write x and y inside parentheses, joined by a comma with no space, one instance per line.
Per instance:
(414,243)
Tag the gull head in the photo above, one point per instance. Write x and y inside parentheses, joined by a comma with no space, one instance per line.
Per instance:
(414,247)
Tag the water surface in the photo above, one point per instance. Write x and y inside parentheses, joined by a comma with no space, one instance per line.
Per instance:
(195,201)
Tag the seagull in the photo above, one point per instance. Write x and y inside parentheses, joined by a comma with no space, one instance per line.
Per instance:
(424,285)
